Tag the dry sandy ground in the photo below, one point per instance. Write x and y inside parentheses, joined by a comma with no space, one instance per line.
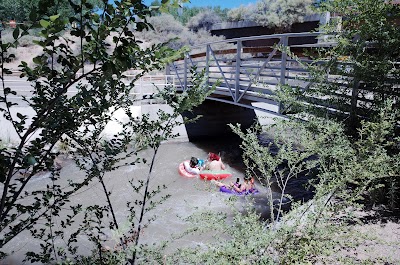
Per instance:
(385,249)
(379,240)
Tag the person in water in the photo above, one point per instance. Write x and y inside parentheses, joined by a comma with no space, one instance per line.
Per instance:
(214,162)
(246,187)
(192,166)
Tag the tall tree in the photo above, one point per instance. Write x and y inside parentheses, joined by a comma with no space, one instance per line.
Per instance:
(367,55)
(19,10)
(107,49)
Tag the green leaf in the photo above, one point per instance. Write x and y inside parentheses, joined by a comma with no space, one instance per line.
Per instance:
(31,160)
(44,23)
(7,90)
(53,18)
(16,33)
(20,116)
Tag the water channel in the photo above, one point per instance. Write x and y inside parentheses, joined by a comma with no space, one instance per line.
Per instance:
(187,195)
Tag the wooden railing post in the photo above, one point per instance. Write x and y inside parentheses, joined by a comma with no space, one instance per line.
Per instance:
(284,59)
(353,120)
(285,42)
(185,72)
(168,70)
(208,48)
(237,74)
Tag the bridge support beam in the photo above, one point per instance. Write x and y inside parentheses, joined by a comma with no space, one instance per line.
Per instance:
(215,119)
(237,74)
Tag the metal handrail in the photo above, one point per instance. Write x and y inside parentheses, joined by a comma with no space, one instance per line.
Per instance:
(150,81)
(262,37)
(232,71)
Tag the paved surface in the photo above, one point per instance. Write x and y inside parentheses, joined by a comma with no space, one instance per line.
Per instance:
(23,88)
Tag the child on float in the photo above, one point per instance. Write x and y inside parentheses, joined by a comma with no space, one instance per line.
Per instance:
(192,166)
(195,165)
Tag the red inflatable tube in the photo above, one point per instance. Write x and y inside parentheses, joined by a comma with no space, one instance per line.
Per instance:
(217,175)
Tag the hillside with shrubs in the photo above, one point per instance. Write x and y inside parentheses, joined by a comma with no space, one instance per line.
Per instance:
(273,13)
(176,31)
(177,26)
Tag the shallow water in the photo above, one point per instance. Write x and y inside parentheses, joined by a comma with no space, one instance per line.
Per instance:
(187,194)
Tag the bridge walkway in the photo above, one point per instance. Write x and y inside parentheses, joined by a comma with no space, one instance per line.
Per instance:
(250,69)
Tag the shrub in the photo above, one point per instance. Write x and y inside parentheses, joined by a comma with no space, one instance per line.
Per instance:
(166,23)
(311,232)
(203,20)
(241,13)
(169,30)
(45,212)
(281,13)
(166,29)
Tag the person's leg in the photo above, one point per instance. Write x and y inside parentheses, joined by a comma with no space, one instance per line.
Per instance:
(218,183)
(195,170)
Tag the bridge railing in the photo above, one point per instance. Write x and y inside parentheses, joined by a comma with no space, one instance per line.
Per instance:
(143,88)
(250,68)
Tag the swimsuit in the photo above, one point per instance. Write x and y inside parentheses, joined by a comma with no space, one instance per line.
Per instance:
(188,168)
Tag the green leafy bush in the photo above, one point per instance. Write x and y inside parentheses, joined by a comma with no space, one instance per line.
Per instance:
(314,231)
(203,20)
(174,34)
(278,14)
(107,49)
(243,12)
(281,13)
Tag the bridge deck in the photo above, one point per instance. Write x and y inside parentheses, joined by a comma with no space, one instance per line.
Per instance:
(246,74)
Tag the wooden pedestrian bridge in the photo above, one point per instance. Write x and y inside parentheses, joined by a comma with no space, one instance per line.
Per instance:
(249,70)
